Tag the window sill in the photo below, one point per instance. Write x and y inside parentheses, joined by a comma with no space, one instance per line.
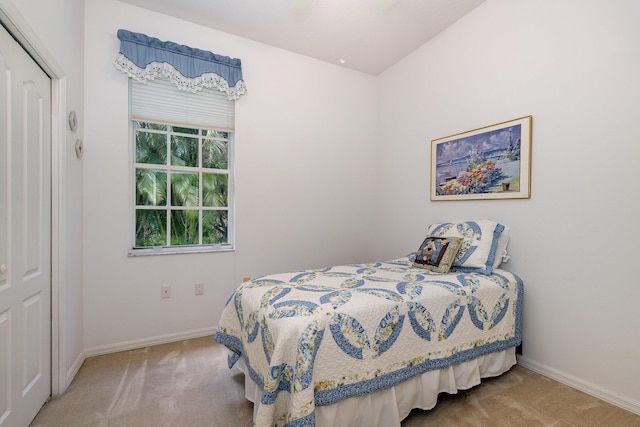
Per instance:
(134,252)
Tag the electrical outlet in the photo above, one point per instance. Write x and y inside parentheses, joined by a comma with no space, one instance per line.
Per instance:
(165,291)
(199,288)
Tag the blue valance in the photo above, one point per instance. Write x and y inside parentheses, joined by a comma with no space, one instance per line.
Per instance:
(146,58)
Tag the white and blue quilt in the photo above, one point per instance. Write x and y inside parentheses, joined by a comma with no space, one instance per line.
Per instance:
(312,338)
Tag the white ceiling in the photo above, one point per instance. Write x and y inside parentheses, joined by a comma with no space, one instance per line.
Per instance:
(370,35)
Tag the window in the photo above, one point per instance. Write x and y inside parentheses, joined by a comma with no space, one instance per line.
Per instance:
(182,170)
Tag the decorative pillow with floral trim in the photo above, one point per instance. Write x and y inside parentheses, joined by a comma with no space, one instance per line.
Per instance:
(437,253)
(480,243)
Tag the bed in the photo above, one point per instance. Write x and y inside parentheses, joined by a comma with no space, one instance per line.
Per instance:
(364,344)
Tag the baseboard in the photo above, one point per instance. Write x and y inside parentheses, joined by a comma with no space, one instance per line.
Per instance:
(594,390)
(77,364)
(146,342)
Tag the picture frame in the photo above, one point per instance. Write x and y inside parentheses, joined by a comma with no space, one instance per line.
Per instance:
(492,162)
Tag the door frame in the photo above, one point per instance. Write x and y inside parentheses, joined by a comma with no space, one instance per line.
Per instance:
(15,23)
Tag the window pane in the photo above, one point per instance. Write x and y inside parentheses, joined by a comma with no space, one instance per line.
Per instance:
(189,131)
(215,154)
(151,228)
(184,151)
(214,227)
(151,148)
(210,133)
(149,125)
(214,189)
(151,187)
(184,189)
(184,228)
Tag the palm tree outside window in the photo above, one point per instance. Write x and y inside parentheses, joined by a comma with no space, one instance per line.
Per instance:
(182,177)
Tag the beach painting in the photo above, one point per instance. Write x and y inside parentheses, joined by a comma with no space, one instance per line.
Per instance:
(493,162)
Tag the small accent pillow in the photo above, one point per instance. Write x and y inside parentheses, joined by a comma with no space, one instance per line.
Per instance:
(437,253)
(480,243)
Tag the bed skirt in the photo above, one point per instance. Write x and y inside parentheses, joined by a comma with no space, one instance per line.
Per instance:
(389,407)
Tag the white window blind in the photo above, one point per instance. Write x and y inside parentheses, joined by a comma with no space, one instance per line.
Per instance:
(160,101)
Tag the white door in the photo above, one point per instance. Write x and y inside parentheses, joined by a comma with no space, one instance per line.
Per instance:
(25,235)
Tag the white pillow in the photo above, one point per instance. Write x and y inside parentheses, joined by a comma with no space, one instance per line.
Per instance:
(481,243)
(501,249)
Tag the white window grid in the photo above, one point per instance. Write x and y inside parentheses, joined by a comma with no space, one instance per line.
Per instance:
(168,168)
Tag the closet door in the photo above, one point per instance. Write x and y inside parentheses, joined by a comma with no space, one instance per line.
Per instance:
(25,235)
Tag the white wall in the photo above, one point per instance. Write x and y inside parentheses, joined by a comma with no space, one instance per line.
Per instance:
(55,29)
(573,65)
(307,141)
(304,163)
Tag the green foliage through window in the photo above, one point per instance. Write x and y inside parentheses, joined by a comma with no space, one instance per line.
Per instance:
(182,182)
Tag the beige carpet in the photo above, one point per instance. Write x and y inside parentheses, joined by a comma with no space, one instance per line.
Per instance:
(188,384)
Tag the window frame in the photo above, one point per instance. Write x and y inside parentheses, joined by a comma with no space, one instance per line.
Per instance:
(132,183)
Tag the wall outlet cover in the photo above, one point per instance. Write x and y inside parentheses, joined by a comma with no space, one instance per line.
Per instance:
(165,291)
(199,288)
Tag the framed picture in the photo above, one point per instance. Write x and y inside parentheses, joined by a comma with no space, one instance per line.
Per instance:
(493,162)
